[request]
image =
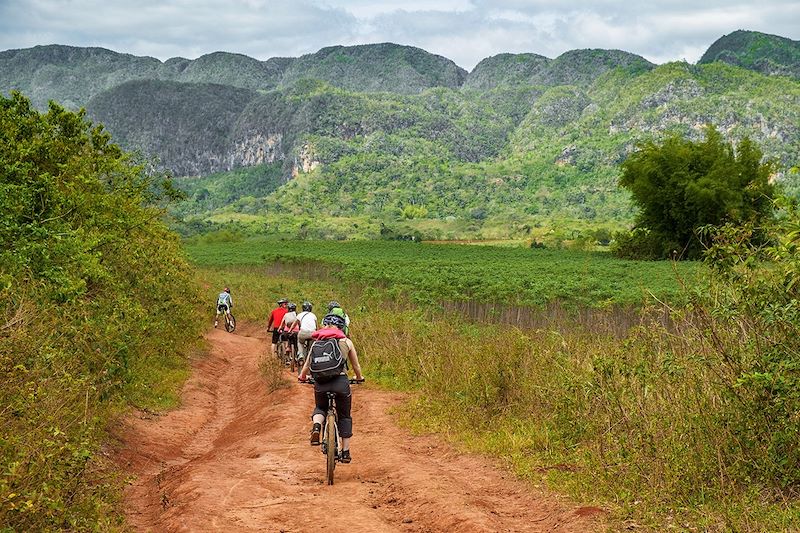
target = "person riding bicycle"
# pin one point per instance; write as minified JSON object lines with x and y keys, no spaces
{"x":289,"y":327}
{"x":333,"y":328}
{"x":308,"y":325}
{"x":275,"y":318}
{"x":224,"y":304}
{"x":335,"y":309}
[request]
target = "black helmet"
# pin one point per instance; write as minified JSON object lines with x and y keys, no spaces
{"x":282,"y":301}
{"x":332,"y":304}
{"x":307,"y":306}
{"x":334,"y":320}
{"x":291,"y":306}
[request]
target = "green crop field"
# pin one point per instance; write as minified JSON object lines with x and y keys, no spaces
{"x":448,"y":272}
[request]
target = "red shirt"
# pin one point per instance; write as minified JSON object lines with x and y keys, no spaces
{"x":276,"y":317}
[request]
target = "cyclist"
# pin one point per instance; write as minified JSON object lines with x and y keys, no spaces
{"x":289,"y":327}
{"x":224,"y":304}
{"x":275,"y":318}
{"x":335,"y":309}
{"x":308,"y":325}
{"x":333,"y":327}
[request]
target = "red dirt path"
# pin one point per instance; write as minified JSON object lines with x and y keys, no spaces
{"x":236,"y":458}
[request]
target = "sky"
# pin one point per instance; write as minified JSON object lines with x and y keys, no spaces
{"x":465,"y":31}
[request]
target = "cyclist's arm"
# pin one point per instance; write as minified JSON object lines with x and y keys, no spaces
{"x":304,"y":371}
{"x":352,"y":356}
{"x":269,"y":323}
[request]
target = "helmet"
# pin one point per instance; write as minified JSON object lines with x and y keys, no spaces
{"x":333,"y":320}
{"x":282,"y":301}
{"x":307,"y":306}
{"x":292,"y":307}
{"x":227,"y":290}
{"x":332,"y":304}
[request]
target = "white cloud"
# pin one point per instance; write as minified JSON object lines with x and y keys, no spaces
{"x":463,"y":30}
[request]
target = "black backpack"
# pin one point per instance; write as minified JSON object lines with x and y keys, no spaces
{"x":326,"y":360}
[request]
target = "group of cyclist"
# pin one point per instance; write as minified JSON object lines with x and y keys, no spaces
{"x":299,"y":331}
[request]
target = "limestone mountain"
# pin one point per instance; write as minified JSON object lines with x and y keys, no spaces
{"x":377,"y":67}
{"x":768,"y":54}
{"x":576,"y":67}
{"x":73,"y":75}
{"x":381,"y":137}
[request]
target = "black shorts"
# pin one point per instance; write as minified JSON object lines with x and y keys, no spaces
{"x":276,"y":336}
{"x":222,"y":308}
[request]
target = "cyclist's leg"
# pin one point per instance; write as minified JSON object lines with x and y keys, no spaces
{"x":343,"y":403}
{"x":344,"y":398}
{"x":276,"y":337}
{"x":318,"y":416}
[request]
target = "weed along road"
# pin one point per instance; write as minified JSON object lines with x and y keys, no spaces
{"x":236,"y":457}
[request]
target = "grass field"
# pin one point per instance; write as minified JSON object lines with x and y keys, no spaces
{"x":437,"y":273}
{"x":633,"y":424}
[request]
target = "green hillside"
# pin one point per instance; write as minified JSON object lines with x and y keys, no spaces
{"x":768,"y":54}
{"x":391,"y":141}
{"x":72,"y":75}
{"x":458,"y":164}
{"x":377,"y":67}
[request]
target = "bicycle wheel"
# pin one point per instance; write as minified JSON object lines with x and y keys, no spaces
{"x":330,"y":446}
{"x":292,"y":360}
{"x":230,"y":323}
{"x":280,"y":348}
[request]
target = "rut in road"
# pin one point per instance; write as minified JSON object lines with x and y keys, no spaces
{"x":235,"y":457}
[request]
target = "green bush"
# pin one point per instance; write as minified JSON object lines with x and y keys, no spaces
{"x":97,"y":305}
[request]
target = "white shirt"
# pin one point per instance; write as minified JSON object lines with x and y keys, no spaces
{"x":308,"y":321}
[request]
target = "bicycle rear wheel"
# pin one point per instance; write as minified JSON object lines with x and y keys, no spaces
{"x":230,"y":323}
{"x":330,"y":445}
{"x":280,"y":348}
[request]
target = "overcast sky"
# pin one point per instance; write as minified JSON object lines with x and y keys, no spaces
{"x":463,"y":30}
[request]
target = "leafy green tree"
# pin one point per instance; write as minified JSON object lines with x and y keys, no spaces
{"x":97,"y":305}
{"x":681,"y":185}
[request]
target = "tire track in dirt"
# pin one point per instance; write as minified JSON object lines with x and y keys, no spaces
{"x":236,"y":458}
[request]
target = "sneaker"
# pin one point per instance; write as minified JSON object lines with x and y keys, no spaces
{"x":315,"y":431}
{"x":215,"y":324}
{"x":346,"y":456}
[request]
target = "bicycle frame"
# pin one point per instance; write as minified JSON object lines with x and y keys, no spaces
{"x":332,"y":424}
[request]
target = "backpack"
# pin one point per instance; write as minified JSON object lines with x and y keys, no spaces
{"x":326,"y":360}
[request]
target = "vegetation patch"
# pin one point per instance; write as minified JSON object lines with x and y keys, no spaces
{"x":98,"y":309}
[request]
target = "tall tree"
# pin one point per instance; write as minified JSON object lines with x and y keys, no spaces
{"x":681,"y":185}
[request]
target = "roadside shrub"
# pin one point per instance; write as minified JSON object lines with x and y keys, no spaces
{"x":97,"y":305}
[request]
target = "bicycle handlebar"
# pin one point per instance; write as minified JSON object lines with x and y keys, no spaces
{"x":352,"y":381}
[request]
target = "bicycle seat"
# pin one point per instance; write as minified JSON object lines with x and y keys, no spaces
{"x":330,"y":395}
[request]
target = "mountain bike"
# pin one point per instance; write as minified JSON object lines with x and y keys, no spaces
{"x":227,"y":316}
{"x":330,"y":440}
{"x":286,"y":354}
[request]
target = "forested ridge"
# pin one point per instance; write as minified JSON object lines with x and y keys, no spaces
{"x":389,"y":140}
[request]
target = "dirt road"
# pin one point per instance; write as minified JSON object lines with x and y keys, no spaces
{"x":236,"y":458}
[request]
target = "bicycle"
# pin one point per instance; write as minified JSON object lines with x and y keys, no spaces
{"x":286,"y":353}
{"x":280,"y":349}
{"x":291,"y":353}
{"x":330,"y":440}
{"x":230,"y":320}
